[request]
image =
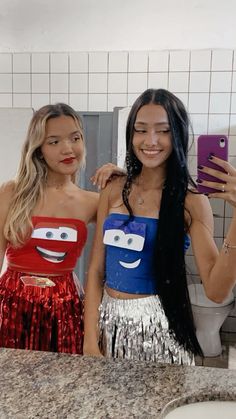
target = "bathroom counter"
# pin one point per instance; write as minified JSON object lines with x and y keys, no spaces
{"x":48,"y":385}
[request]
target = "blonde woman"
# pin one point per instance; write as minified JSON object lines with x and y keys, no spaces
{"x":43,"y":219}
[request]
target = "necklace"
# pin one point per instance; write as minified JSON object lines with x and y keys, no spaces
{"x":140,"y":200}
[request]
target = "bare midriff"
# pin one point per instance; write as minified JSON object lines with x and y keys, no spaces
{"x":124,"y":295}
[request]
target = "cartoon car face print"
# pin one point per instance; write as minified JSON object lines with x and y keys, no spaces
{"x":129,"y":241}
{"x":53,"y":243}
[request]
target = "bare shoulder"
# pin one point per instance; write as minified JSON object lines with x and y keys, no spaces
{"x":7,"y":187}
{"x":114,"y":189}
{"x":6,"y":191}
{"x":197,"y":203}
{"x":198,"y":211}
{"x":89,"y":201}
{"x":91,"y":196}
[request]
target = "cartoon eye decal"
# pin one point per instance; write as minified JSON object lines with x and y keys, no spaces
{"x":119,"y":238}
{"x":65,"y":234}
{"x":49,"y":234}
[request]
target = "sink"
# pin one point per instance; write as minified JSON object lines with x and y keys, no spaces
{"x":204,"y":410}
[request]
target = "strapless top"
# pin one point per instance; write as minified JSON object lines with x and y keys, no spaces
{"x":53,"y":248}
{"x":129,"y":253}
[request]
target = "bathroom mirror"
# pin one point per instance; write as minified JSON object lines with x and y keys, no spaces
{"x":105,"y":141}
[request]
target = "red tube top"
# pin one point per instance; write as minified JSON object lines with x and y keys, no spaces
{"x":53,"y":248}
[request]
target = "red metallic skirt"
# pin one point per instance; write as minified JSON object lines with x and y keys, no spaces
{"x":43,"y":319}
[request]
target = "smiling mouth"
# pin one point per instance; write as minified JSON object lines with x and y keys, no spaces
{"x":130,"y":265}
{"x":151,"y":152}
{"x":50,"y":256}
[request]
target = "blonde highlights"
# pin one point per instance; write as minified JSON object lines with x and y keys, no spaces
{"x":32,"y":172}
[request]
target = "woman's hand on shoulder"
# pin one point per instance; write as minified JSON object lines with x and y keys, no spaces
{"x":105,"y":173}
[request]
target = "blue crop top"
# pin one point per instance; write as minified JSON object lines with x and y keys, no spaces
{"x":129,"y":253}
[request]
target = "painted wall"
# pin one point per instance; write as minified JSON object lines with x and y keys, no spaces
{"x":90,"y":25}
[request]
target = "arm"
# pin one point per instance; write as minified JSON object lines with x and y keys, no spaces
{"x":94,"y":282}
{"x":216,"y":269}
{"x":6,"y":191}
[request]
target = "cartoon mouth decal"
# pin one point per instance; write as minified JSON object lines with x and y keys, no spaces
{"x":55,"y":257}
{"x":131,"y":265}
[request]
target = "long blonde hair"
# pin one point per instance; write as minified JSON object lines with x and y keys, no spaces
{"x":31,"y":176}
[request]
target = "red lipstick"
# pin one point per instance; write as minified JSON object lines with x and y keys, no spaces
{"x":68,"y":160}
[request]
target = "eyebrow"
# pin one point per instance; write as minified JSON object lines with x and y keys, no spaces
{"x":59,"y":136}
{"x":156,"y":124}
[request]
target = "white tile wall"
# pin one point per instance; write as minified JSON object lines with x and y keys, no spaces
{"x":97,"y":102}
{"x":39,"y":100}
{"x":21,"y":83}
{"x":200,"y":60}
{"x":158,"y":80}
{"x":199,"y":81}
{"x":138,"y":61}
{"x":178,"y":82}
{"x":198,"y":102}
{"x":97,"y":83}
{"x":116,"y":100}
{"x":158,"y":61}
{"x":40,"y":83}
{"x":221,"y":81}
{"x":205,"y":80}
{"x":40,"y":63}
{"x":220,"y":103}
{"x":6,"y":83}
{"x":78,"y":83}
{"x":117,"y":82}
{"x":59,"y":63}
{"x":78,"y":101}
{"x":222,"y":60}
{"x":118,"y":62}
{"x":78,"y":62}
{"x":98,"y":62}
{"x":137,"y":82}
{"x":179,"y":60}
{"x":21,"y":100}
{"x":5,"y":63}
{"x":21,"y":63}
{"x":59,"y":83}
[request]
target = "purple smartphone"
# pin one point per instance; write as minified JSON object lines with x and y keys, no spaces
{"x":207,"y":145}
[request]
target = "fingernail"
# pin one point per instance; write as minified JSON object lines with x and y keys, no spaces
{"x":199,"y":181}
{"x":206,"y":194}
{"x":210,"y":157}
{"x":200,"y":167}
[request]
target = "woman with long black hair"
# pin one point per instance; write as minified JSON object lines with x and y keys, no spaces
{"x":136,"y":302}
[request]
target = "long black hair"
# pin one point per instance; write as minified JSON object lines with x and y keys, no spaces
{"x":169,"y":258}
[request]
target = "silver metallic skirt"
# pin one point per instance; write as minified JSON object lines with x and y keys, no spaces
{"x":138,"y":329}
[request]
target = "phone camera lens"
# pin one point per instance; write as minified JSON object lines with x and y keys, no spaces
{"x":222,"y":140}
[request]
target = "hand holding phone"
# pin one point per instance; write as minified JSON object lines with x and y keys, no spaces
{"x":216,"y":145}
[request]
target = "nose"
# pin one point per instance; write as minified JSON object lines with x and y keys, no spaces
{"x":67,"y":147}
{"x":151,"y":138}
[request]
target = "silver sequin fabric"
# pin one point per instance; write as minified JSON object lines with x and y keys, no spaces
{"x":137,"y":329}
